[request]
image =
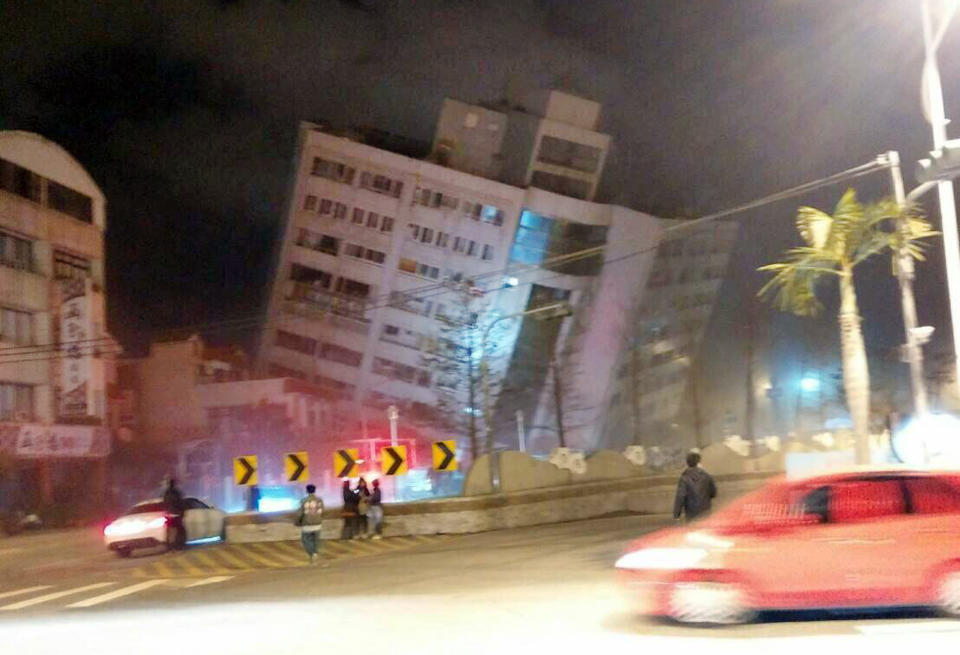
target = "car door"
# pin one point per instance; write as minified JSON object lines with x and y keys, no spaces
{"x":871,"y":526}
{"x":934,"y":540}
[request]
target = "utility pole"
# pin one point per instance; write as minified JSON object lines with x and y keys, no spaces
{"x":635,"y":391}
{"x":558,"y":403}
{"x":521,"y":437}
{"x":751,"y":401}
{"x":903,"y":266}
{"x":471,"y":392}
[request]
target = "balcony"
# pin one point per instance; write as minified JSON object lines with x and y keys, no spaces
{"x":342,"y":311}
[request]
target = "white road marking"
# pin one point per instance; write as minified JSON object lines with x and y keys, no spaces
{"x":908,"y":628}
{"x":213,"y":580}
{"x":119,"y":593}
{"x":20,"y":592}
{"x":53,"y":596}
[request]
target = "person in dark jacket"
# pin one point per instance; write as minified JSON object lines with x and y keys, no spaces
{"x":695,"y":490}
{"x":173,"y":502}
{"x":363,"y":506}
{"x":350,"y":510}
{"x":375,"y":514}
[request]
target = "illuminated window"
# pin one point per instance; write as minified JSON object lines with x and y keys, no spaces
{"x":407,"y":265}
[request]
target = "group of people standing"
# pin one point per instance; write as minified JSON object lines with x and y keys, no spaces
{"x":362,"y":511}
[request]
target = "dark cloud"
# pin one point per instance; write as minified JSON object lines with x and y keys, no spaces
{"x":186,"y":112}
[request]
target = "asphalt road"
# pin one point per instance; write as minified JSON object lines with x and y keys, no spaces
{"x":539,"y":589}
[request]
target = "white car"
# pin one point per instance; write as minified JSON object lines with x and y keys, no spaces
{"x":146,"y":525}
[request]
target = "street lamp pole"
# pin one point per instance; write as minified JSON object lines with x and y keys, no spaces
{"x":553,"y":310}
{"x":938,"y":122}
{"x":903,"y":263}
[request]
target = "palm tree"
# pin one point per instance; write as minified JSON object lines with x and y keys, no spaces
{"x":834,"y":246}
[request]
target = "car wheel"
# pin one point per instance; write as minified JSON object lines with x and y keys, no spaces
{"x":948,"y":594}
{"x":708,"y":602}
{"x":223,"y":532}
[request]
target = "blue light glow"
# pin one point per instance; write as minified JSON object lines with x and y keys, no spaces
{"x":810,"y":384}
{"x":204,"y":540}
{"x":276,"y":504}
{"x":930,"y":441}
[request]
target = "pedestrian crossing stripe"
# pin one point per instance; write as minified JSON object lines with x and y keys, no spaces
{"x":230,"y":559}
{"x":77,"y":598}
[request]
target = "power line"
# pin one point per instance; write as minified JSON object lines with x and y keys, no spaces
{"x":428,"y":291}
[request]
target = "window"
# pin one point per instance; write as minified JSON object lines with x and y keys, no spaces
{"x":16,"y":252}
{"x":349,"y":287}
{"x":386,"y":225}
{"x":16,"y":327}
{"x":375,"y":256}
{"x":316,"y":277}
{"x":353,"y":250}
{"x":316,"y":241}
{"x":21,"y":181}
{"x":339,"y":210}
{"x":426,"y":270}
{"x":864,"y":500}
{"x":410,"y":303}
{"x":341,"y":355}
{"x":562,"y":152}
{"x":426,"y":235}
{"x":397,"y":371}
{"x":459,"y":244}
{"x":326,"y":207}
{"x":566,"y":186}
{"x":310,"y":203}
{"x":373,"y":219}
{"x":296,"y":342}
{"x":933,"y":496}
{"x":69,"y":267}
{"x":70,"y":202}
{"x":278,"y":371}
{"x":492,"y":215}
{"x":381,"y":184}
{"x":422,"y":196}
{"x":487,"y":252}
{"x":472,"y":248}
{"x":358,"y":216}
{"x":407,"y":265}
{"x":443,"y":238}
{"x":472,"y":209}
{"x":332,"y":170}
{"x":414,"y":231}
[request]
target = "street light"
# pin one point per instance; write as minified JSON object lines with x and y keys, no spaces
{"x":546,"y":312}
{"x":936,"y":116}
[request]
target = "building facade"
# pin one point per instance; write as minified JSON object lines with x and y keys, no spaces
{"x":54,"y":349}
{"x":377,"y":247}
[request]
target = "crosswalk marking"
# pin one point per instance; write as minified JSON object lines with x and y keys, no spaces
{"x":236,"y":561}
{"x":229,"y":559}
{"x":118,"y":593}
{"x":212,"y":580}
{"x":283,"y":558}
{"x":20,"y":592}
{"x":53,"y":596}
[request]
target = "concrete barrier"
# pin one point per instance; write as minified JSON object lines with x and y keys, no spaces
{"x":651,"y":494}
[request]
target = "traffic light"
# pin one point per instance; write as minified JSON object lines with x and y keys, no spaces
{"x":943,"y":164}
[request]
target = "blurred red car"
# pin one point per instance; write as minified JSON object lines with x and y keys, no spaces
{"x":876,"y":538}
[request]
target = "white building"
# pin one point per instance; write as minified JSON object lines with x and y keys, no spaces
{"x":53,"y":342}
{"x":372,"y":240}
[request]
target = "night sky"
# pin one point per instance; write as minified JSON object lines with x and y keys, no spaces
{"x":185,"y":112}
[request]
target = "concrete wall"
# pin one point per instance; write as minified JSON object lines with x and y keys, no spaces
{"x":641,"y":494}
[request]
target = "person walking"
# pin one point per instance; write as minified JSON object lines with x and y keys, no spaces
{"x":174,"y":505}
{"x":350,"y":507}
{"x":695,"y":490}
{"x":310,"y":520}
{"x":363,"y":507}
{"x":375,"y":513}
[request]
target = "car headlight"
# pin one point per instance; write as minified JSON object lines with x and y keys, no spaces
{"x":661,"y":558}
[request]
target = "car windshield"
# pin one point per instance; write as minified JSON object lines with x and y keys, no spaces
{"x":147,"y":508}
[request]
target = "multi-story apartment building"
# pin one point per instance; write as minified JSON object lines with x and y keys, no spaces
{"x":54,"y":347}
{"x":659,"y":364}
{"x":373,"y":242}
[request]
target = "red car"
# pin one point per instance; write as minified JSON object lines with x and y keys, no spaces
{"x":876,"y":538}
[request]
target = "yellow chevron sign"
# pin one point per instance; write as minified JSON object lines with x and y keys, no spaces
{"x":445,"y":455}
{"x":345,"y":463}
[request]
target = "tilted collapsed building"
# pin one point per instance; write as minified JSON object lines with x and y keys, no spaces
{"x":376,"y":244}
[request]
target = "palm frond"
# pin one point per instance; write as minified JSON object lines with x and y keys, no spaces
{"x":792,"y":289}
{"x":814,"y":226}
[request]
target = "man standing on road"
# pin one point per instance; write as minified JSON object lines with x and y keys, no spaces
{"x":695,"y":490}
{"x":310,"y":520}
{"x":375,"y":513}
{"x":173,"y":500}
